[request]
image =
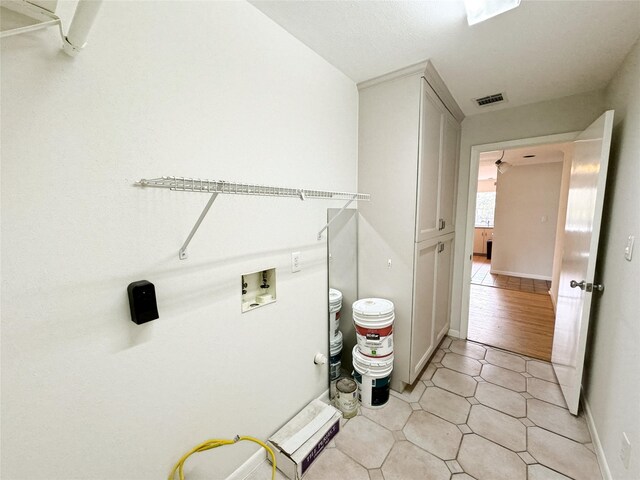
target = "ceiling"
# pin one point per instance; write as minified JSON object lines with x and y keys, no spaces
{"x":539,"y":51}
{"x":543,"y":154}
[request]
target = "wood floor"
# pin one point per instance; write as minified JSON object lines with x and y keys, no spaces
{"x":521,"y":322}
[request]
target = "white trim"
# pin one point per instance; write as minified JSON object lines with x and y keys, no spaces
{"x":521,"y":275}
{"x":254,"y":461}
{"x":324,"y":396}
{"x":476,"y":150}
{"x":453,"y":333}
{"x":602,"y":459}
{"x":434,"y":79}
{"x":403,"y":72}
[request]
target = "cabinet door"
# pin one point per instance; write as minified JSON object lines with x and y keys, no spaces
{"x":488,"y":236}
{"x":448,"y":170}
{"x":444,"y":264}
{"x":478,"y":241}
{"x":423,"y":306}
{"x":429,"y":151}
{"x":438,"y":151}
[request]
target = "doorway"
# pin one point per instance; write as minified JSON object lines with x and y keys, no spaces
{"x":513,"y":216}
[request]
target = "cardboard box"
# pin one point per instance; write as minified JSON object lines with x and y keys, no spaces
{"x":304,"y":437}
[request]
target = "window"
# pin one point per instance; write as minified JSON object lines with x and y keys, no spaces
{"x":485,"y":208}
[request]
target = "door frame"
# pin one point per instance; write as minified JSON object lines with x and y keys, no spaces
{"x":474,"y":165}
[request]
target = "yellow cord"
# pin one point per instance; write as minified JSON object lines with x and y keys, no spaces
{"x":209,"y":444}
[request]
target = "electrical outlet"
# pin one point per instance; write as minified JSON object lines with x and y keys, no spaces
{"x":625,"y":450}
{"x":295,"y":262}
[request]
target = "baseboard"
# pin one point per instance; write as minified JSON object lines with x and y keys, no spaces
{"x":324,"y":396}
{"x":521,"y":275}
{"x":260,"y":456}
{"x":454,"y":333}
{"x":602,"y":460}
{"x":249,"y":466}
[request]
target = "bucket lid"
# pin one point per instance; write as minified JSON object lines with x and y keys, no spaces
{"x":373,"y":307}
{"x":335,"y":296}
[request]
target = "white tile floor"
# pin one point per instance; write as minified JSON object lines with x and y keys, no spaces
{"x":476,"y":413}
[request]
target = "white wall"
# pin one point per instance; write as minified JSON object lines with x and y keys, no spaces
{"x":544,"y":118}
{"x":524,"y":235}
{"x":209,"y":89}
{"x":613,"y":373}
{"x":487,"y":185}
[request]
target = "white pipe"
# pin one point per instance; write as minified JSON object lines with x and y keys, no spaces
{"x":81,"y":24}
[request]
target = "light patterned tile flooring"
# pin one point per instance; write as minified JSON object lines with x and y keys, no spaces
{"x":476,"y":413}
{"x":481,"y":275}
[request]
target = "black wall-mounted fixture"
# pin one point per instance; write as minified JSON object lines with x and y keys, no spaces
{"x":142,"y":300}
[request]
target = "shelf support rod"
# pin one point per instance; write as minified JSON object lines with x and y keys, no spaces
{"x":183,"y":250}
{"x":336,"y":216}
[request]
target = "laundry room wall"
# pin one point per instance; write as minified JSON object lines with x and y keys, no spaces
{"x":204,"y":89}
{"x":612,"y":379}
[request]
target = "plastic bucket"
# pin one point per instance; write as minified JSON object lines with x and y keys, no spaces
{"x":373,"y":319}
{"x":335,"y":304}
{"x":347,"y":397}
{"x":335,"y":349}
{"x":335,"y":300}
{"x":373,"y":376}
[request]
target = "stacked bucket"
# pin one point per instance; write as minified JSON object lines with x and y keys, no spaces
{"x":335,"y":335}
{"x":343,"y":390}
{"x":373,"y":353}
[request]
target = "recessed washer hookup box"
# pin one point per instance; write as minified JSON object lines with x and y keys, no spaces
{"x":304,"y":437}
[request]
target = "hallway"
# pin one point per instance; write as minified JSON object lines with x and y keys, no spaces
{"x":476,"y":413}
{"x":514,"y":314}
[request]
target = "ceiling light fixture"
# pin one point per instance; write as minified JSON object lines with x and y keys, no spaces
{"x":481,"y":10}
{"x":502,"y":166}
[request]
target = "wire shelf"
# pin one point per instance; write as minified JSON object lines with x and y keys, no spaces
{"x":216,"y":187}
{"x":185,"y":184}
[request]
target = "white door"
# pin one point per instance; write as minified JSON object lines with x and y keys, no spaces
{"x":430,"y":150}
{"x":449,"y":167}
{"x":424,"y":287}
{"x":444,"y":264}
{"x":582,"y":231}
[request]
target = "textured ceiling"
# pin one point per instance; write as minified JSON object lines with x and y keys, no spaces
{"x":543,"y":154}
{"x":539,"y":51}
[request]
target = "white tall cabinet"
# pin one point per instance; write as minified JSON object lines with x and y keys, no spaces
{"x":408,"y":158}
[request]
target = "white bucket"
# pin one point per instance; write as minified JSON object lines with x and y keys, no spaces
{"x":347,"y":397}
{"x":335,"y":304}
{"x":373,"y":319}
{"x":335,"y":363}
{"x":373,"y":376}
{"x":335,"y":300}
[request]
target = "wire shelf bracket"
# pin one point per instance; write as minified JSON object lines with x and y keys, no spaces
{"x":336,"y":216}
{"x":216,"y":187}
